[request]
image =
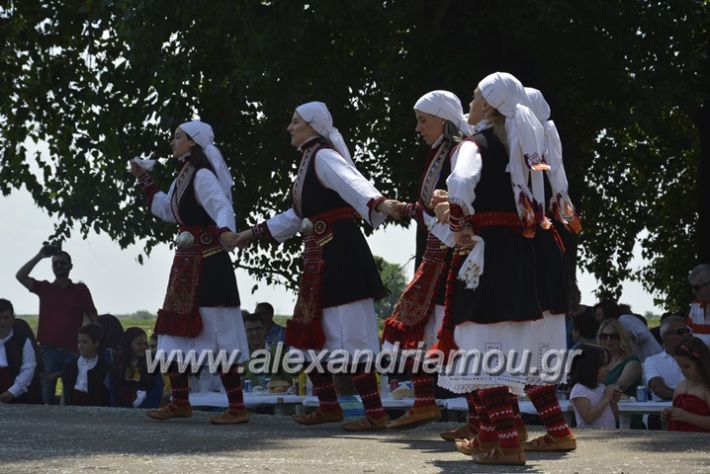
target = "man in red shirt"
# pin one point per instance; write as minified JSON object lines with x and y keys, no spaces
{"x":62,"y":307}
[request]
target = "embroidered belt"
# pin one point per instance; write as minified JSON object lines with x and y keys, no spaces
{"x":485,"y":219}
{"x":204,"y":238}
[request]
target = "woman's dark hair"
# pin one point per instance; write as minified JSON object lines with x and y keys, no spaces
{"x":197,"y":156}
{"x":609,"y":308}
{"x":112,"y":331}
{"x":585,"y":323}
{"x":696,"y":350}
{"x":125,"y":356}
{"x":586,"y":365}
{"x":452,"y":132}
{"x":93,"y":331}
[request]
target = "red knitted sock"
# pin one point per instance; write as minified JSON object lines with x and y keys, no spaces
{"x":233,"y":386}
{"x":519,"y":423}
{"x":423,"y":390}
{"x":544,"y":398}
{"x":180,"y":385}
{"x":324,"y":389}
{"x":487,"y":432}
{"x":500,"y":411}
{"x":473,"y":420}
{"x":366,"y":385}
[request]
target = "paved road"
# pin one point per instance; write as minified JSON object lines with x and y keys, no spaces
{"x":68,"y":439}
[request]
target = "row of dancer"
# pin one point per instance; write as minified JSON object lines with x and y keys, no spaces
{"x":481,"y":197}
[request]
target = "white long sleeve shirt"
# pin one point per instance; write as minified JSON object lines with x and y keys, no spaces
{"x":466,"y":166}
{"x":209,"y":194}
{"x":27,"y":369}
{"x":335,"y":173}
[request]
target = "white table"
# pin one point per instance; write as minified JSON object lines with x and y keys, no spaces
{"x":251,"y":400}
{"x":626,"y":408}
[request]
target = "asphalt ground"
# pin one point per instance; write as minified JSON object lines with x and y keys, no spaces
{"x":106,"y":440}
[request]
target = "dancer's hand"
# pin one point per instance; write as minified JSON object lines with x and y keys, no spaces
{"x":136,"y":170}
{"x":441,"y":211}
{"x":393,"y":208}
{"x":438,"y":197}
{"x":240,"y":239}
{"x":464,"y":237}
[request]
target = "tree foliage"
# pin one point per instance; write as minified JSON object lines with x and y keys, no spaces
{"x":103,"y":81}
{"x":394,"y":280}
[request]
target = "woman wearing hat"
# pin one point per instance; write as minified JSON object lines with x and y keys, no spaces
{"x":419,"y":311}
{"x":201,"y":308}
{"x":335,"y":307}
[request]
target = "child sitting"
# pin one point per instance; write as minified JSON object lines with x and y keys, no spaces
{"x":691,"y":397}
{"x":131,"y":383}
{"x":85,"y":377}
{"x":17,"y":359}
{"x":595,"y":404}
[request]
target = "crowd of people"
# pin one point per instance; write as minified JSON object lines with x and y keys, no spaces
{"x":493,"y":198}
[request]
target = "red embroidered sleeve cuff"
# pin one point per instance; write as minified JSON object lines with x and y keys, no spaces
{"x":415,"y":211}
{"x":456,"y":217}
{"x":149,"y":187}
{"x":261,"y":231}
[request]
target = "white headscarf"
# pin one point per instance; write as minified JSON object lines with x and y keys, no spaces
{"x":553,"y":156}
{"x":526,"y":141}
{"x":317,"y":115}
{"x":445,"y":105}
{"x":202,"y":134}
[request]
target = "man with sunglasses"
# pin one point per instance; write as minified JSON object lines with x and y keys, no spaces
{"x":63,"y":305}
{"x":699,"y":317}
{"x":661,"y":371}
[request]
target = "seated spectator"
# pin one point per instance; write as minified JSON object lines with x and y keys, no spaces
{"x":661,"y":371}
{"x":274,"y":332}
{"x":657,"y":330}
{"x":594,"y":404}
{"x":584,"y":328}
{"x":691,"y":398}
{"x":624,"y":368}
{"x":131,"y":384}
{"x":256,"y":337}
{"x":34,"y":391}
{"x":699,"y":316}
{"x":112,"y":331}
{"x":86,"y":377}
{"x":643,"y":343}
{"x":167,"y":388}
{"x":18,"y":359}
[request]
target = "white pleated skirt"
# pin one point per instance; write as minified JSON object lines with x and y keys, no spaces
{"x":538,"y":337}
{"x":222,"y":329}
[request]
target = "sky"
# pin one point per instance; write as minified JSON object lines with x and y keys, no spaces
{"x":120,"y":285}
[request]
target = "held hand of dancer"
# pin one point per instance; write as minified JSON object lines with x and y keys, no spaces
{"x":137,"y":171}
{"x":464,"y":237}
{"x":243,"y":238}
{"x":439,"y":196}
{"x":441,"y":211}
{"x":392,"y":208}
{"x":666,"y":415}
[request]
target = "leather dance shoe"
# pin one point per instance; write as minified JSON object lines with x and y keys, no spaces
{"x":230,"y":418}
{"x":416,"y":416}
{"x":548,"y":442}
{"x":502,"y":456}
{"x":318,"y":417}
{"x":170,"y":411}
{"x":463,"y":432}
{"x":367,"y":424}
{"x":474,"y":446}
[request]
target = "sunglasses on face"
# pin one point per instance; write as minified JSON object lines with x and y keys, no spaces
{"x":698,"y":287}
{"x":612,"y":336}
{"x":678,"y":332}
